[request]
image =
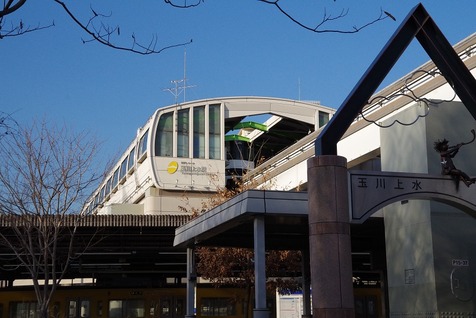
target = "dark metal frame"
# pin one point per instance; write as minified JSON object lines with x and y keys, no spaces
{"x":418,"y":24}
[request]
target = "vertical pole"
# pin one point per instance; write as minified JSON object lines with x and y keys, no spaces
{"x":329,"y":238}
{"x":260,"y":310}
{"x":306,"y":283}
{"x":191,"y":283}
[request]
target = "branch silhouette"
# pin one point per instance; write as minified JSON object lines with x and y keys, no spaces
{"x":104,"y":33}
{"x":98,"y":31}
{"x":184,"y":5}
{"x":318,"y":28}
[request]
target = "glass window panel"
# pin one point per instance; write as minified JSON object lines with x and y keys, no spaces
{"x":165,"y":307}
{"x":143,"y":144}
{"x":72,"y":309}
{"x":164,"y":136}
{"x":214,"y":132}
{"x":199,"y":132}
{"x":115,"y":178}
{"x":323,"y":118}
{"x":108,"y":186}
{"x":183,"y":133}
{"x":123,"y":172}
{"x":134,"y":308}
{"x":85,"y":309}
{"x":101,"y":195}
{"x":115,"y":309}
{"x":131,"y":161}
{"x":23,"y":310}
{"x":217,"y":307}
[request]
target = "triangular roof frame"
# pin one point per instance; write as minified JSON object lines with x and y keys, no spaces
{"x":419,"y":24}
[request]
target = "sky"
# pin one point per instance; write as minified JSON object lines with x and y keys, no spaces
{"x":239,"y":48}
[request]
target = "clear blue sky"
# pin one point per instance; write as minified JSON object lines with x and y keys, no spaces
{"x":240,"y":47}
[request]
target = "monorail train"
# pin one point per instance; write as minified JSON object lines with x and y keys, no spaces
{"x":193,"y":147}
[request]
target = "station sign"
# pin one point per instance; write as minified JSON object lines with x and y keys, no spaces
{"x":369,"y":191}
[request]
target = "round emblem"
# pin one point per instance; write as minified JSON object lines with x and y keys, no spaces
{"x":172,"y":168}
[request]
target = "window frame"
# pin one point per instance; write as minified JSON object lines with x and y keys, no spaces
{"x":143,"y":146}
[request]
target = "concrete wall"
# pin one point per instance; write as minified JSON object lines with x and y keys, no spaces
{"x":422,"y":237}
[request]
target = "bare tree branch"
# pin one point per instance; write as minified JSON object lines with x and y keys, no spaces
{"x":185,"y":5}
{"x":103,"y":34}
{"x":8,"y":125}
{"x":328,"y":18}
{"x":10,"y":7}
{"x":20,"y":29}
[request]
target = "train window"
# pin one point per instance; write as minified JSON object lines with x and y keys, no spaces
{"x":101,"y":195}
{"x":130,"y":161}
{"x":164,"y":136}
{"x":169,"y":307}
{"x":79,"y":308}
{"x":96,"y":201}
{"x":23,"y":309}
{"x":108,"y":186}
{"x":115,"y":180}
{"x":143,"y":146}
{"x":214,"y":132}
{"x":183,"y":133}
{"x":123,"y":171}
{"x":219,"y":306}
{"x":199,"y":132}
{"x":323,"y":118}
{"x":134,"y":308}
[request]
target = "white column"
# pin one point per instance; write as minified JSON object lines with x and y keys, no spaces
{"x":260,"y":310}
{"x":191,"y":283}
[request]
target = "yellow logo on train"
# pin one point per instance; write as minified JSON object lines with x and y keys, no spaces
{"x":172,"y":168}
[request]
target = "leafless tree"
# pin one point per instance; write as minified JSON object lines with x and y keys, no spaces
{"x":98,"y":30}
{"x":45,"y":176}
{"x":225,"y":266}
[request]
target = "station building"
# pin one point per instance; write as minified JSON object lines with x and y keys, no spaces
{"x":418,"y":254}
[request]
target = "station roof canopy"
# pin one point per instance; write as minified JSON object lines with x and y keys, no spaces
{"x":231,"y":223}
{"x":286,"y":224}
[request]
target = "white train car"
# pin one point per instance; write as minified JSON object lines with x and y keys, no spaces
{"x":184,"y":152}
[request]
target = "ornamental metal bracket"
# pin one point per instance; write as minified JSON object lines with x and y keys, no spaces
{"x":418,"y":24}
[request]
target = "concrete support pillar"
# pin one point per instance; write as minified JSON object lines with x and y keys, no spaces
{"x":329,"y":238}
{"x":260,"y":310}
{"x":191,"y":283}
{"x":306,"y":284}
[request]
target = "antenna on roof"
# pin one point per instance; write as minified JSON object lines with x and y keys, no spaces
{"x":180,"y":85}
{"x":299,"y":88}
